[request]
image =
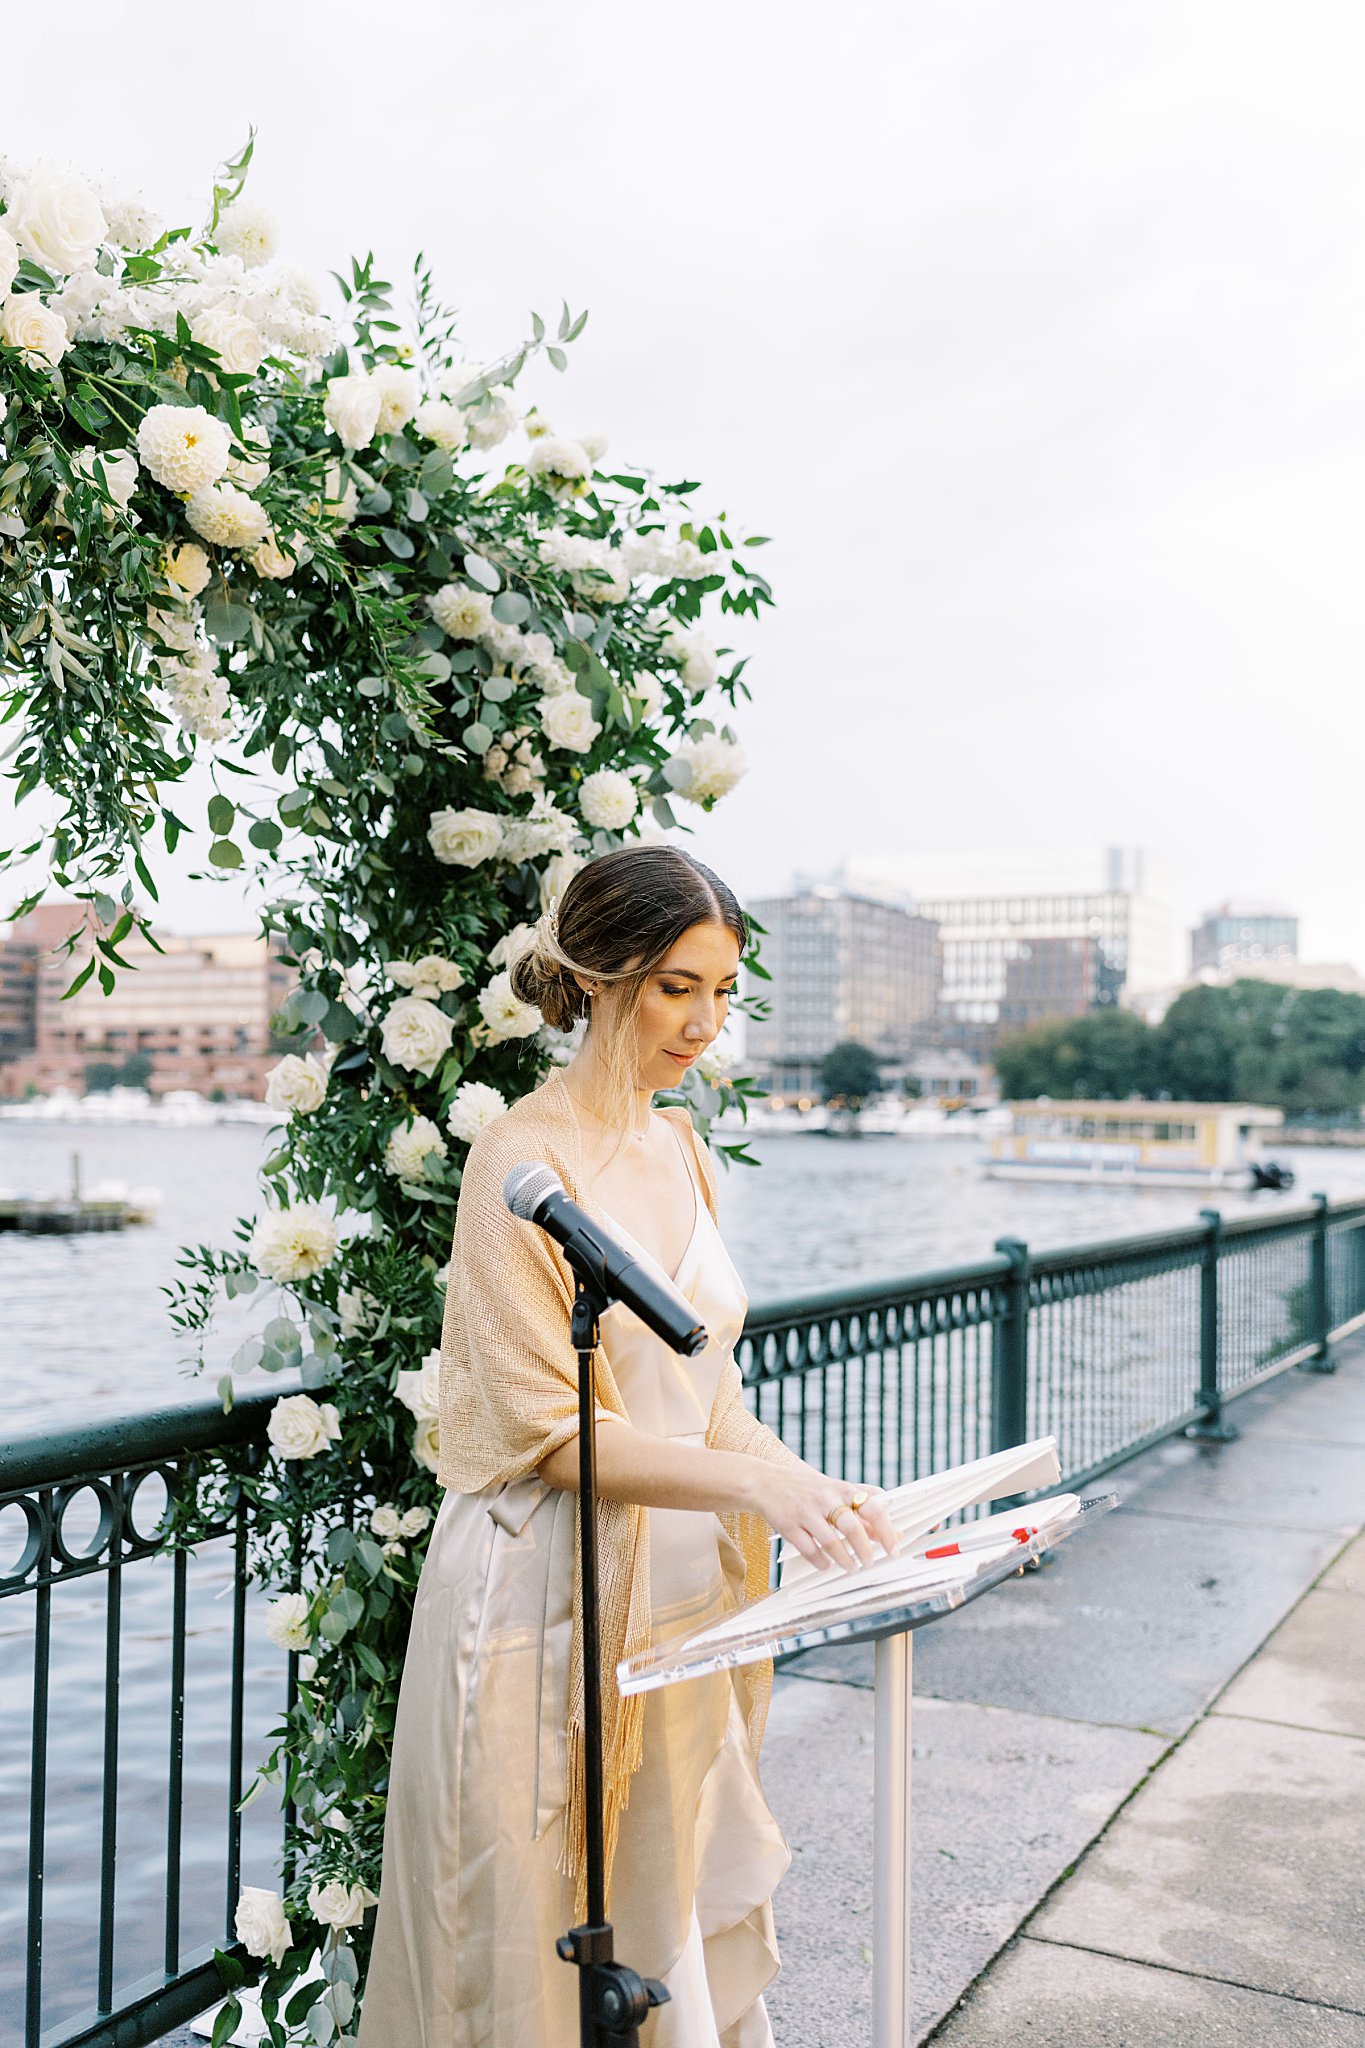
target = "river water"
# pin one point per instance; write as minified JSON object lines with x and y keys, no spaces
{"x":84,"y":1333}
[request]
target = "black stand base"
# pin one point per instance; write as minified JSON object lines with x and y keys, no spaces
{"x":613,"y":1999}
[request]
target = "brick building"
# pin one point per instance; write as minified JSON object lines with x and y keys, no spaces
{"x":200,"y":1011}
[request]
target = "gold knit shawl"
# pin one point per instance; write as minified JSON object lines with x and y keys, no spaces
{"x":509,"y":1397}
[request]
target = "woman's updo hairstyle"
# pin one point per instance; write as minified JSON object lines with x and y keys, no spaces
{"x":617,"y":919}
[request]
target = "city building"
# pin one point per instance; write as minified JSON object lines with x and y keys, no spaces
{"x":950,"y":1077}
{"x":199,"y":1011}
{"x":843,"y":966}
{"x":1240,"y":934}
{"x":1033,"y":935}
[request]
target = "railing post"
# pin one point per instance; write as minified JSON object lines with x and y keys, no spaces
{"x":1009,"y":1352}
{"x":1319,"y":1300}
{"x":1212,"y":1428}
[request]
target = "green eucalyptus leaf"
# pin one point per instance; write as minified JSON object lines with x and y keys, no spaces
{"x":478,"y":737}
{"x":224,"y":854}
{"x":511,"y":608}
{"x":498,"y":689}
{"x":482,"y":572}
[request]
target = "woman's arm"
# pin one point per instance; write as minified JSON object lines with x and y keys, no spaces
{"x":794,"y":1499}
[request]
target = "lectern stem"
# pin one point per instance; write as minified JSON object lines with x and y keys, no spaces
{"x":891,"y":1847}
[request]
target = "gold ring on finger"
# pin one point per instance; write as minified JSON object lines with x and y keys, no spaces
{"x":834,"y":1513}
{"x":857,"y":1501}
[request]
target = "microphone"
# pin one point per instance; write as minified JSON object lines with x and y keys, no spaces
{"x":535,"y":1192}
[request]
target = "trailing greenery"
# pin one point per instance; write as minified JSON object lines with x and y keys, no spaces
{"x":431,"y":682}
{"x":1255,"y":1041}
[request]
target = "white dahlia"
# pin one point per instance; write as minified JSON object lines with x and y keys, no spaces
{"x":608,"y":799}
{"x":293,"y":1244}
{"x":286,"y":1622}
{"x":227,"y":517}
{"x":463,"y":613}
{"x":184,"y":447}
{"x":715,"y":766}
{"x":503,"y":1011}
{"x":475,"y":1107}
{"x":410,"y":1146}
{"x":248,"y":230}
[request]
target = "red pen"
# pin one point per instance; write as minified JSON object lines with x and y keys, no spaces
{"x":981,"y":1542}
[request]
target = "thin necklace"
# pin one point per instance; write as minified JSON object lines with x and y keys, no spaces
{"x":638,"y":1136}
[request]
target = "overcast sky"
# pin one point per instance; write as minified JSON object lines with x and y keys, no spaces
{"x":1034,"y":334}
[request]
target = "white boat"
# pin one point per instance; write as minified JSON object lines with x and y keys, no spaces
{"x":1139,"y":1144}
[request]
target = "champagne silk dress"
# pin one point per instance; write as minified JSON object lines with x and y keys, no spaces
{"x":472,"y":1901}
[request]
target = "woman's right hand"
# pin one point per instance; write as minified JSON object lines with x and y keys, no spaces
{"x":796,"y":1501}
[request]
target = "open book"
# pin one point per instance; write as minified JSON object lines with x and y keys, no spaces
{"x":931,"y":1571}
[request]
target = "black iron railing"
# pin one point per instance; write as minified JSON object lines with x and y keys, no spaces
{"x":1107,"y":1347}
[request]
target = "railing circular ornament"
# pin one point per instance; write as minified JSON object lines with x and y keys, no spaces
{"x":103,"y":1533}
{"x":14,"y":1573}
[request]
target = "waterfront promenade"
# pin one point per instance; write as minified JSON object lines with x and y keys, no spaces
{"x":1139,"y":1773}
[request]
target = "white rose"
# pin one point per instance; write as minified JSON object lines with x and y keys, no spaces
{"x":608,"y":799}
{"x":252,"y":466}
{"x":464,"y":839}
{"x":463,"y":613}
{"x":27,"y":324}
{"x":474,"y":1108}
{"x":293,"y":1244}
{"x":351,"y":409}
{"x":271,"y":561}
{"x":689,"y":646}
{"x":356,"y":1310}
{"x":512,"y":945}
{"x":714,"y":1064}
{"x":247,"y":230}
{"x":297,"y":1085}
{"x":300,"y":1427}
{"x":503,"y":1011}
{"x":416,"y":1034}
{"x":431,"y":976}
{"x":426,"y":1442}
{"x":492,"y":418}
{"x":339,"y":1905}
{"x":414,"y":1522}
{"x":409,"y":1146}
{"x":648,"y":692}
{"x":9,"y":260}
{"x":261,"y":1923}
{"x":184,"y":447}
{"x":57,"y":220}
{"x":420,"y":1391}
{"x":120,"y":471}
{"x":441,"y":422}
{"x":286,"y":1622}
{"x":713,"y":768}
{"x":556,"y":876}
{"x":567,"y":721}
{"x":188,"y":567}
{"x":236,"y":343}
{"x":387,"y":1524}
{"x":399,"y":393}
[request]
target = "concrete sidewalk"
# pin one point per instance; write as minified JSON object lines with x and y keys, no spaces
{"x":1183,"y":1687}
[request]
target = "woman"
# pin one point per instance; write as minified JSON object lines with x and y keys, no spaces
{"x":484,"y":1841}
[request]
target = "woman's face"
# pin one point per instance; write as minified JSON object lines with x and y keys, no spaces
{"x":685,"y":1003}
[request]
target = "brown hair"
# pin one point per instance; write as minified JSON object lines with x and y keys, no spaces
{"x":617,"y":919}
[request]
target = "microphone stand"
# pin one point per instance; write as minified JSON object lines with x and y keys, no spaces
{"x":613,"y":1999}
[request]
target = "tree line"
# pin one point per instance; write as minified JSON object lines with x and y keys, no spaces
{"x":1301,"y":1050}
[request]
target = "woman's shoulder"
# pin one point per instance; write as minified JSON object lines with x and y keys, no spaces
{"x":679,"y":1115}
